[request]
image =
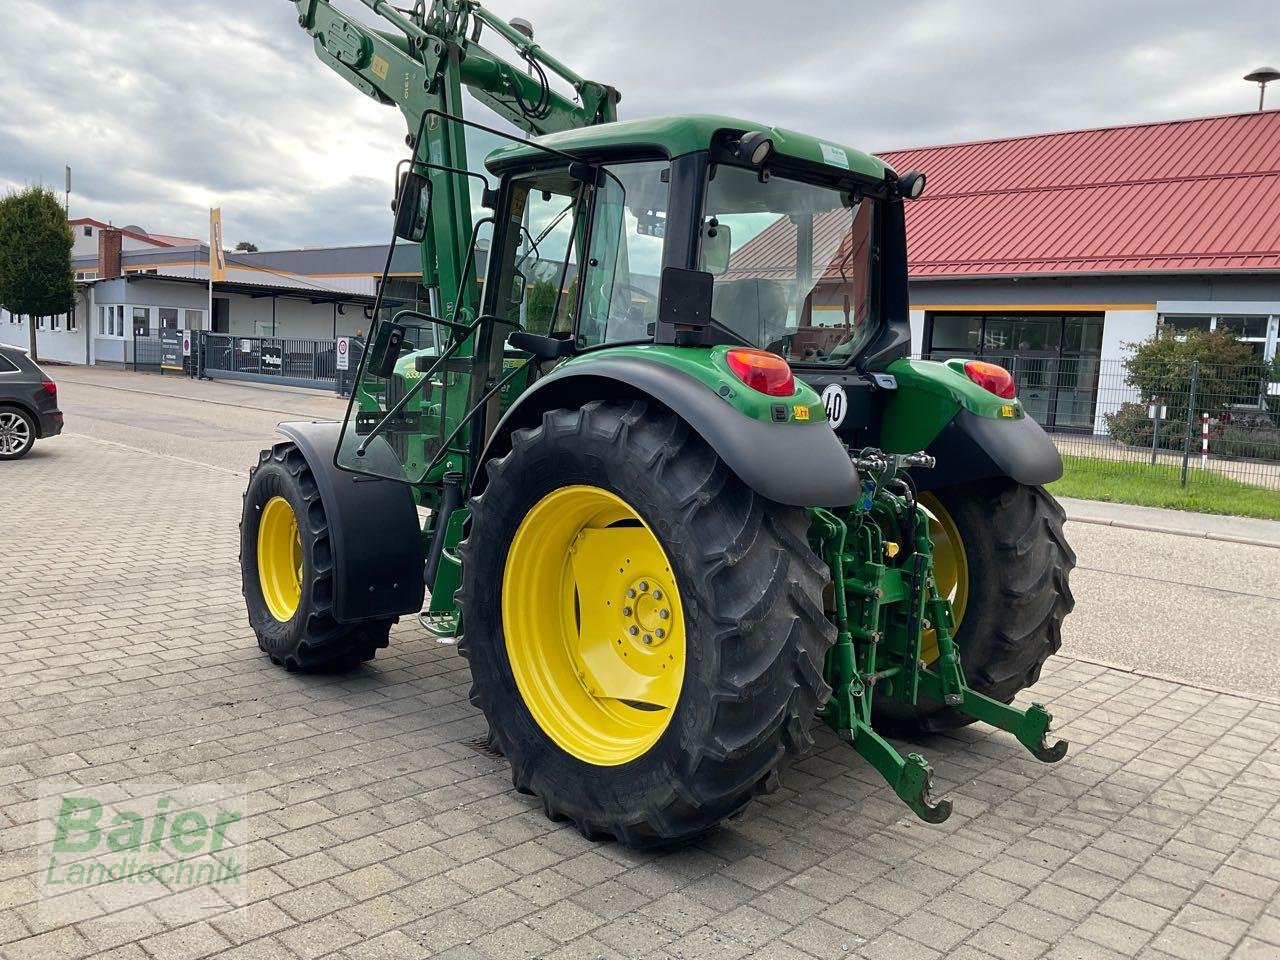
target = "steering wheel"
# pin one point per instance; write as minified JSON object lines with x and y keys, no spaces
{"x":631,"y":319}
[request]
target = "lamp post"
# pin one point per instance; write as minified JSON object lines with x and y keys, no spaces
{"x":1262,"y":76}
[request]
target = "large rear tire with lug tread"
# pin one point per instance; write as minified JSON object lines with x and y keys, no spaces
{"x":1001,"y":555}
{"x":645,"y":633}
{"x":286,"y":569}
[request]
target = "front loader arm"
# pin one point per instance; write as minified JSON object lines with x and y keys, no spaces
{"x":422,"y":65}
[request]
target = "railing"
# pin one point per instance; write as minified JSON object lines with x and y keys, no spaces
{"x":285,"y":360}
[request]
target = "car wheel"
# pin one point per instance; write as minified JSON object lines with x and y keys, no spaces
{"x":17,"y":433}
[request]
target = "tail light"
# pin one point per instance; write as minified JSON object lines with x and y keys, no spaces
{"x":763,"y":371}
{"x":50,"y":388}
{"x":991,"y":377}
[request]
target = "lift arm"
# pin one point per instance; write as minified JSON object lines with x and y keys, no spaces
{"x":421,"y":62}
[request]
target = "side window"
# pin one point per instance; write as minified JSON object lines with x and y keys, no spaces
{"x":544,"y":273}
{"x":629,"y":226}
{"x":6,"y":365}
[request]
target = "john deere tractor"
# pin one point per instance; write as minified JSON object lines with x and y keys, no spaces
{"x":684,"y":492}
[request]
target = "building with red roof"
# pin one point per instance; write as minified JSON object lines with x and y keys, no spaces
{"x":1068,"y":246}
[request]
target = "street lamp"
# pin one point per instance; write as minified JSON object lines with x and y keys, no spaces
{"x":1262,"y":76}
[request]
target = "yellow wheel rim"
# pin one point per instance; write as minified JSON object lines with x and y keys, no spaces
{"x":594,"y":625}
{"x":280,"y":559}
{"x":950,"y":567}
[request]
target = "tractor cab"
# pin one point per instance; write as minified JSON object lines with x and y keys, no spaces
{"x":690,"y":232}
{"x":798,"y":243}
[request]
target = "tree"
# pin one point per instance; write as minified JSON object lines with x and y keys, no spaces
{"x":1160,"y":369}
{"x":247,"y":247}
{"x":35,"y":257}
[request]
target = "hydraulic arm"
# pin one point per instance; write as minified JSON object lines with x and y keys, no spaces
{"x":421,"y":62}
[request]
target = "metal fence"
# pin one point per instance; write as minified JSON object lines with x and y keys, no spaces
{"x":303,"y":363}
{"x":1186,"y":421}
{"x":145,"y":351}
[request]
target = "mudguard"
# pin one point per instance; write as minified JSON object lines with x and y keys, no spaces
{"x":373,"y":529}
{"x":797,"y":464}
{"x":971,"y":447}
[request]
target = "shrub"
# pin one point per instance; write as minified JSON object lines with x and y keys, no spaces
{"x":1160,"y":370}
{"x":1130,"y":425}
{"x":1250,"y":442}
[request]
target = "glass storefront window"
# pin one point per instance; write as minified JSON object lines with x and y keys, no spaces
{"x":957,"y":331}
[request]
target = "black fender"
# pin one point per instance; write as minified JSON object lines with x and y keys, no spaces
{"x":971,"y":448}
{"x":803,"y":465}
{"x":373,"y":530}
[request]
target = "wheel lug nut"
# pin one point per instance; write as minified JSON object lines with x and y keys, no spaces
{"x":644,"y":586}
{"x":657,"y":594}
{"x":664,"y":614}
{"x":660,"y":633}
{"x":631,"y":594}
{"x":633,"y":630}
{"x":626,"y":611}
{"x":648,"y":639}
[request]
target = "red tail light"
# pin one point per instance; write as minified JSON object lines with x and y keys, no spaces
{"x":50,"y":388}
{"x":991,"y":377}
{"x":762,"y":371}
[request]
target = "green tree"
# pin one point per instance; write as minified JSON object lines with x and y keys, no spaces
{"x":1160,"y":369}
{"x":35,"y":257}
{"x":541,"y":301}
{"x":247,"y":247}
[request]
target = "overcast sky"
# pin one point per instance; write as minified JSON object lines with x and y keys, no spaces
{"x":166,"y":108}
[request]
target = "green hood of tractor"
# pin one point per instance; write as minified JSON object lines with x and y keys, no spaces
{"x":675,"y":136}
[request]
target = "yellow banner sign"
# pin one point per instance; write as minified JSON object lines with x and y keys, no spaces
{"x":217,"y":256}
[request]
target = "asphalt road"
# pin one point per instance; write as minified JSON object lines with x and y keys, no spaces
{"x":1195,"y":610}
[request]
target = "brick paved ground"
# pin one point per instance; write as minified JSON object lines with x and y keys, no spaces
{"x":380,"y":830}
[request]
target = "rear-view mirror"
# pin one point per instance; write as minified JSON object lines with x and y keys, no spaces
{"x":413,"y":206}
{"x":717,"y":242}
{"x":385,"y":350}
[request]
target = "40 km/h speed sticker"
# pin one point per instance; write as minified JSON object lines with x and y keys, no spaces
{"x":836,"y":402}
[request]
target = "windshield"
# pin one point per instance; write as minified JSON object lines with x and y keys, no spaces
{"x":792,"y":264}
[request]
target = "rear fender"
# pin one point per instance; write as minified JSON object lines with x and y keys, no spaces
{"x":374,"y":532}
{"x":974,"y":434}
{"x":797,"y":460}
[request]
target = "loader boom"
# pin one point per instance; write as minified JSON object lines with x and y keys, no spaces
{"x":421,"y":64}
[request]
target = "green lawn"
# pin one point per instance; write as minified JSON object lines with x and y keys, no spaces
{"x":1122,"y":482}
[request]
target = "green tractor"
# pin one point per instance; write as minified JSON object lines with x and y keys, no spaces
{"x":685,"y":492}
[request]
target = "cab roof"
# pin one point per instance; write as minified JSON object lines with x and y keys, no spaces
{"x":675,"y":136}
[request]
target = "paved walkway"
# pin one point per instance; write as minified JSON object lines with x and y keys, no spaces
{"x":1210,"y":526}
{"x":378,"y":828}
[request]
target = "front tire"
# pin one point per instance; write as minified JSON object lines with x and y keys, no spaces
{"x":286,"y":569}
{"x":1000,"y":552}
{"x":570,"y":677}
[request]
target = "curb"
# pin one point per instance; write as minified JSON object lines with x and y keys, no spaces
{"x":1174,"y":531}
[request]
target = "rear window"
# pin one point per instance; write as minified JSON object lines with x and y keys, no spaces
{"x":7,"y":365}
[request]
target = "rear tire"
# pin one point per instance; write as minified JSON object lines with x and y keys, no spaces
{"x":750,"y":611}
{"x":310,"y":639}
{"x":17,"y":433}
{"x":1019,"y":564}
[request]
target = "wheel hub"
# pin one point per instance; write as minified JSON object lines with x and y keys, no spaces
{"x":593,"y":625}
{"x":280,"y":559}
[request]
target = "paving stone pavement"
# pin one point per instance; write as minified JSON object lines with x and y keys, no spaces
{"x":379,"y":828}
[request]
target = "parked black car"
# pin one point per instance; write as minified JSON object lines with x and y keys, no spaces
{"x":28,"y":404}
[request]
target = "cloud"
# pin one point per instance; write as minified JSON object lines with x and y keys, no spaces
{"x":164,"y":109}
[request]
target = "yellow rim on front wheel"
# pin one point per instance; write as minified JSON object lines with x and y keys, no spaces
{"x":594,"y":625}
{"x":280,"y":559}
{"x":950,"y":567}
